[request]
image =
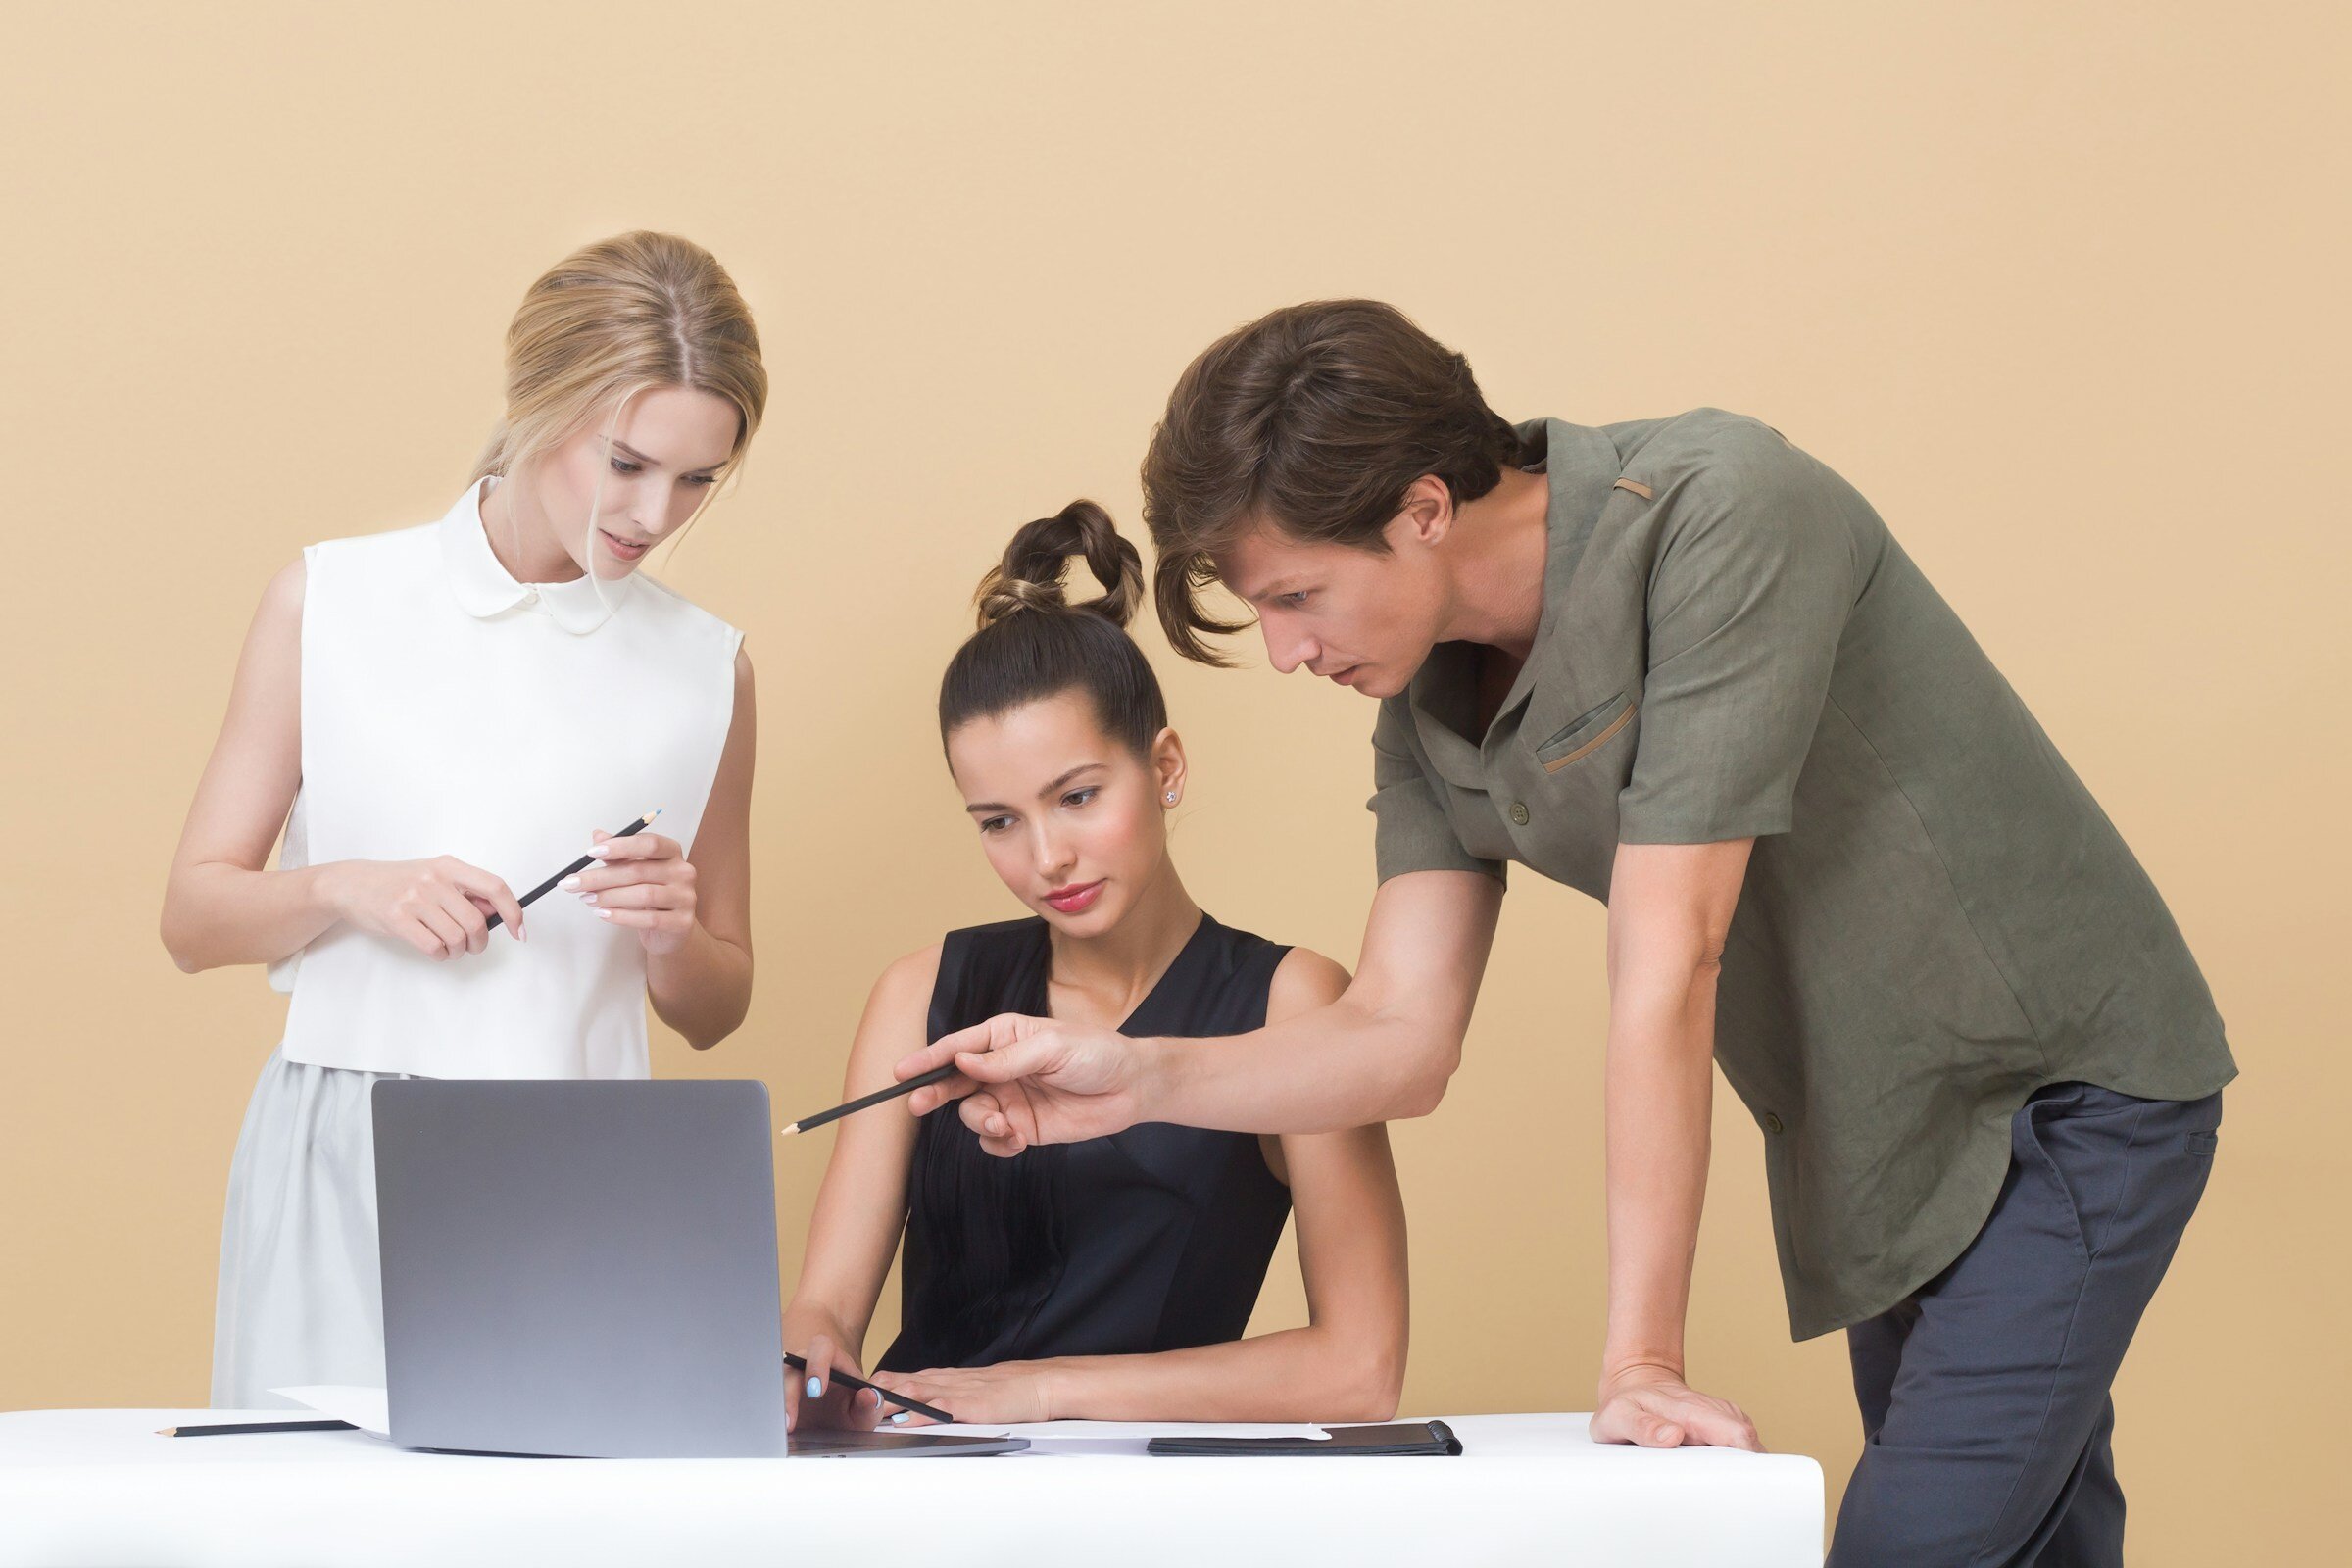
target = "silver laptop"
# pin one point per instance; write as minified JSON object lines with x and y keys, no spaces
{"x":590,"y":1269}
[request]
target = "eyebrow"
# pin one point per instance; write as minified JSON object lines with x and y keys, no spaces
{"x":653,"y":462}
{"x":978,"y":806}
{"x":1273,"y":590}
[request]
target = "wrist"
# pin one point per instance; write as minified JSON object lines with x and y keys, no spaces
{"x":1628,"y":1366}
{"x":1167,"y":1071}
{"x":325,"y":886}
{"x":661,"y":963}
{"x":1057,"y":1391}
{"x":805,"y":1321}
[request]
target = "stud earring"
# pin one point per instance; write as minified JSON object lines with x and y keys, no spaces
{"x":1171,"y":796}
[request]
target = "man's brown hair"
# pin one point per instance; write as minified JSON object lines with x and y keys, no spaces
{"x":1314,"y":419}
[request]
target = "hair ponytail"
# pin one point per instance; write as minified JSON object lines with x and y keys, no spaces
{"x":1033,"y":643}
{"x":1030,"y":576}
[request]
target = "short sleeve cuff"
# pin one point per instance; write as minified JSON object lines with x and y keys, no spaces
{"x":1413,"y":834}
{"x":1694,"y":821}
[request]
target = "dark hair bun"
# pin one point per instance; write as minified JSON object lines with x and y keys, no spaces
{"x":1029,"y":579}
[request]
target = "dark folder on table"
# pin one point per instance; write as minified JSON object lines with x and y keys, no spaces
{"x":1396,"y":1438}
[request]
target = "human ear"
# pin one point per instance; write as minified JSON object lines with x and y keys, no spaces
{"x":1167,"y":768}
{"x":1427,"y":515}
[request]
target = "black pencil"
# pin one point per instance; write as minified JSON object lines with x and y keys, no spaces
{"x":580,"y":864}
{"x":866,"y":1101}
{"x":856,"y":1382}
{"x":233,"y":1427}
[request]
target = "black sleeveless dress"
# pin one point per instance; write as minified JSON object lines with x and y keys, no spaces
{"x":1153,"y":1239}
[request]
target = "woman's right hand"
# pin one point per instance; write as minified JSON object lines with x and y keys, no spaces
{"x":439,"y":907}
{"x":810,"y":1394}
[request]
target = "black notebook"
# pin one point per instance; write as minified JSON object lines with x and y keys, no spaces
{"x":1402,"y":1437}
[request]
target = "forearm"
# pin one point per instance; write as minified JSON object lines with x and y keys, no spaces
{"x":1349,"y":1064}
{"x":838,"y":1283}
{"x":1659,"y":1094}
{"x":703,"y":989}
{"x":1308,"y":1374}
{"x":218,"y":914}
{"x":809,"y":1314}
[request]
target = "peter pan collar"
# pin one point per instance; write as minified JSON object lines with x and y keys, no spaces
{"x":484,"y":588}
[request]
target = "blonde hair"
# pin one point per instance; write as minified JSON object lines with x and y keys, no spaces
{"x":615,"y":318}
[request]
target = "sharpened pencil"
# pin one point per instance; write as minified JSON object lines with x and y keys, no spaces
{"x":856,"y":1382}
{"x":580,"y":864}
{"x":867,"y":1101}
{"x":226,"y":1429}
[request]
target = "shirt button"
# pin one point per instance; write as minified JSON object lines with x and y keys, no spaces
{"x":1772,"y":1123}
{"x":530,"y":595}
{"x":1519,"y":812}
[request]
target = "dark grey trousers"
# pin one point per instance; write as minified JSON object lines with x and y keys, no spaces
{"x":1985,"y":1394}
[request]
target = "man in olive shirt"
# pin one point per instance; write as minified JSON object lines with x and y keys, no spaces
{"x":1681,"y":665}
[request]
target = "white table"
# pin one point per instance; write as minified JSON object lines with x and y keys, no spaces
{"x":92,"y":1487}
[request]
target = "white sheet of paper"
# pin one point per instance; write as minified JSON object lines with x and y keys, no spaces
{"x":365,"y":1408}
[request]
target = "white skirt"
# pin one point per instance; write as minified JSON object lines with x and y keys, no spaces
{"x":301,"y":1297}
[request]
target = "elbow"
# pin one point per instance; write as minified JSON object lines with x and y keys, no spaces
{"x":178,"y":941}
{"x":1378,"y":1403}
{"x":1423,"y":1052}
{"x":712,"y":1031}
{"x":1370,"y":1388}
{"x":1424,"y":1087}
{"x":706,"y":1006}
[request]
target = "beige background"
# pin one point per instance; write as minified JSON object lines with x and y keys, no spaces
{"x":2061,"y":294}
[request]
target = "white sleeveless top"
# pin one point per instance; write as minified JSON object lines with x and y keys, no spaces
{"x":449,"y":709}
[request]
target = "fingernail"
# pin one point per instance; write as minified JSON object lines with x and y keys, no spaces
{"x":900,"y":1419}
{"x":603,"y":914}
{"x":569,"y":882}
{"x":587,"y":898}
{"x":815,"y":1389}
{"x":597,"y":849}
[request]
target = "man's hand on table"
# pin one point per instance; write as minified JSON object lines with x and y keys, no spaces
{"x":1652,"y":1407}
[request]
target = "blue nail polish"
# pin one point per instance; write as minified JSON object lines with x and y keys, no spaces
{"x":899,"y":1420}
{"x":815,"y":1389}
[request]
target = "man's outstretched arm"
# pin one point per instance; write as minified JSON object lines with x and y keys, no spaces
{"x":1383,"y":1051}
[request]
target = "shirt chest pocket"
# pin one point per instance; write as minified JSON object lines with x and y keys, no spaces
{"x":1588,"y":734}
{"x":1567,"y":818}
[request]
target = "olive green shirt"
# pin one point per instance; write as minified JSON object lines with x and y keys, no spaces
{"x":1937,"y":919}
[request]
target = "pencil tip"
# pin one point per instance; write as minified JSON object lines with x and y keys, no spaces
{"x":166,"y":1432}
{"x":789,"y":1132}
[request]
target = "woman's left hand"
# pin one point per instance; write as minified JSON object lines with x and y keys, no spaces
{"x":1003,"y":1395}
{"x":645,"y":883}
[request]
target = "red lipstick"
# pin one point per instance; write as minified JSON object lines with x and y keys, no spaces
{"x":1076,"y":897}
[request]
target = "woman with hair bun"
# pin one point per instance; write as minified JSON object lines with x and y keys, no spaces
{"x":1110,"y":1279}
{"x":437,"y":714}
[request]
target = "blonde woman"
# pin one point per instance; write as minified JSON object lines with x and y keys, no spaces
{"x":438,"y":714}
